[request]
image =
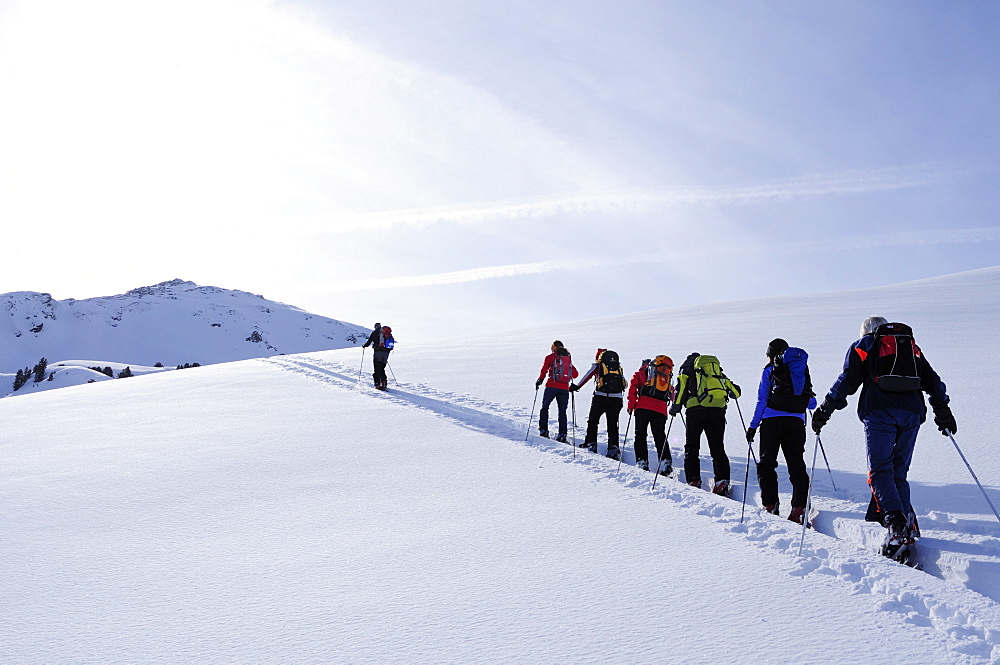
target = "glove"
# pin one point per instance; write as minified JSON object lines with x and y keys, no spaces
{"x":821,"y":416}
{"x":630,"y":412}
{"x":675,"y":408}
{"x":538,"y":384}
{"x":738,"y":391}
{"x":573,"y":387}
{"x":751,"y":433}
{"x":945,"y":419}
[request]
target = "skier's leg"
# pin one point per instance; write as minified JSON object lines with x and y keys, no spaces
{"x":562,"y":401}
{"x":543,"y":412}
{"x":692,"y":444}
{"x":767,"y":475}
{"x":658,"y":426}
{"x":902,"y":454}
{"x":880,"y":439}
{"x":793,"y":445}
{"x":715,"y":432}
{"x":593,"y":421}
{"x":613,"y":409}
{"x":641,"y":425}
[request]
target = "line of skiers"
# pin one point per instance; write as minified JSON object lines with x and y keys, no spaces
{"x":885,"y":363}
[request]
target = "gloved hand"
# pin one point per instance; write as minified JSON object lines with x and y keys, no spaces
{"x":821,"y":416}
{"x":573,"y":387}
{"x":675,"y":408}
{"x":738,"y":392}
{"x":945,"y":419}
{"x":630,"y":412}
{"x":538,"y":384}
{"x":751,"y":432}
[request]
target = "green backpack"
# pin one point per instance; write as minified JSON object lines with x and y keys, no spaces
{"x":710,"y":382}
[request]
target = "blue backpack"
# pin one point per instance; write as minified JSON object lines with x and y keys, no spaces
{"x":791,"y":387}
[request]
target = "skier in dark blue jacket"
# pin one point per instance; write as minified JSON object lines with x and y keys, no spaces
{"x":891,"y":421}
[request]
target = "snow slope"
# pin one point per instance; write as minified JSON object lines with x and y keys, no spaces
{"x":956,"y":320}
{"x":277,"y":510}
{"x":172,"y":323}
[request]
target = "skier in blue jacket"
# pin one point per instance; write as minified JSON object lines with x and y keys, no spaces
{"x":892,"y":420}
{"x":781,"y":430}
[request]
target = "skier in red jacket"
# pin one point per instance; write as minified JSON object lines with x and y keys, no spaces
{"x":649,"y":395}
{"x":558,"y":366}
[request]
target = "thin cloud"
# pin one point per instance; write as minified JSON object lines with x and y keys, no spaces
{"x":901,"y":239}
{"x":638,"y":201}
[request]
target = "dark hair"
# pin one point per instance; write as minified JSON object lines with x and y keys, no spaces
{"x":557,"y":344}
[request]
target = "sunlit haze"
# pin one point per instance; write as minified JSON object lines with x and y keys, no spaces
{"x":451,"y":167}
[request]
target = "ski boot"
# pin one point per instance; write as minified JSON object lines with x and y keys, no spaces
{"x":797,"y":515}
{"x":773,"y":509}
{"x":561,"y":438}
{"x":666,"y":469}
{"x":642,"y":464}
{"x":695,"y":483}
{"x":543,"y":433}
{"x":722,"y":488}
{"x":614,"y":452}
{"x":899,"y":544}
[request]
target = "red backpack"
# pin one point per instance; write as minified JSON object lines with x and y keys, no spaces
{"x":562,"y":369}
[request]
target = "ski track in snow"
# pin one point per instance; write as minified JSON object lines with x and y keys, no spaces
{"x":973,"y":636}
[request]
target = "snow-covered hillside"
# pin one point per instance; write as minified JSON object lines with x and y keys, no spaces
{"x":172,"y":323}
{"x":279,"y":510}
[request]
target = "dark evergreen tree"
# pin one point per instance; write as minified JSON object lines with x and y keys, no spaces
{"x":40,"y":370}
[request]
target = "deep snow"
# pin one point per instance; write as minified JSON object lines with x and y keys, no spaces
{"x":279,"y":511}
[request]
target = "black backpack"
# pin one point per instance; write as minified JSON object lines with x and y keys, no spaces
{"x":893,"y":362}
{"x":610,"y":378}
{"x":687,"y":369}
{"x":791,"y":387}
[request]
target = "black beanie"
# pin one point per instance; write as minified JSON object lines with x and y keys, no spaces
{"x":776,"y":347}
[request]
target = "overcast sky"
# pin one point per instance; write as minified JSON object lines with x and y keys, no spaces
{"x":449,"y":166}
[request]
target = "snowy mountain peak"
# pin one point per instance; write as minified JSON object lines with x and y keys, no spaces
{"x":173,"y":322}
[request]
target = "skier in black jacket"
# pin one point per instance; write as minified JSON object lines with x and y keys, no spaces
{"x":381,"y":342}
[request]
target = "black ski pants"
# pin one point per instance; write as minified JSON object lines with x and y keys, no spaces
{"x":561,"y":397}
{"x":656,"y":423}
{"x":712,"y":421}
{"x":379,"y":360}
{"x":788,"y":434}
{"x":610,"y":407}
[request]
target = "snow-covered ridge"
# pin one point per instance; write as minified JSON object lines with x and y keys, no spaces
{"x":171,"y":323}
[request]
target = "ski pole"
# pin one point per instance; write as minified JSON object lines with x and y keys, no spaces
{"x":531,"y":416}
{"x":659,"y":457}
{"x":392,"y":373}
{"x":362,"y":368}
{"x":746,"y":480}
{"x":805,"y":516}
{"x":621,"y":451}
{"x":750,"y":455}
{"x":828,"y":469}
{"x":822,"y":449}
{"x":572,"y":399}
{"x":969,"y":467}
{"x":743,"y":422}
